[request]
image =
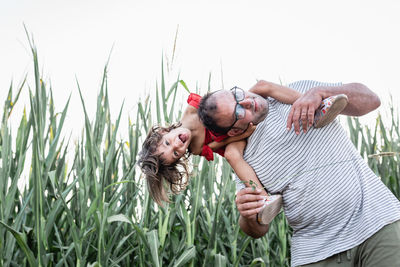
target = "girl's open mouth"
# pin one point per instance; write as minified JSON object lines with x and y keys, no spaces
{"x":183,"y":137}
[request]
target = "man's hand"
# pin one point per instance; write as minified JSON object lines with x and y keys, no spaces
{"x":248,"y":202}
{"x":303,"y":109}
{"x":361,"y":100}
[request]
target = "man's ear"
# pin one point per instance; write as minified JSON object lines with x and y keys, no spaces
{"x":234,"y":132}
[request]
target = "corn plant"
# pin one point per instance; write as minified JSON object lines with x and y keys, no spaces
{"x":380,"y":146}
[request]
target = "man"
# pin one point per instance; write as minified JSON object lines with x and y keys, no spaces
{"x":332,"y":200}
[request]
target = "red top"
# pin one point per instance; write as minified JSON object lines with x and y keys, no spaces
{"x":194,"y":101}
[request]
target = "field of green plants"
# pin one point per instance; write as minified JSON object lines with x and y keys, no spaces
{"x":96,"y":211}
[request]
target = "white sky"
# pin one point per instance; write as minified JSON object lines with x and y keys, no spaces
{"x":348,"y":41}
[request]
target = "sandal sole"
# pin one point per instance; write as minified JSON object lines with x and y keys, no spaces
{"x":337,"y":106}
{"x":271,"y":209}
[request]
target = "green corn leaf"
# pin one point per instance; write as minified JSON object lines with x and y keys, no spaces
{"x":186,"y":256}
{"x":219,"y":260}
{"x":158,"y":106}
{"x":51,"y":154}
{"x":164,"y":230}
{"x":258,"y":262}
{"x":22,"y":243}
{"x":171,"y":112}
{"x":184,"y":85}
{"x":118,"y":218}
{"x":163,"y":96}
{"x":152,"y":239}
{"x":243,"y":248}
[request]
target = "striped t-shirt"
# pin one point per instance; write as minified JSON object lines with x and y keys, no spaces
{"x":331,"y":198}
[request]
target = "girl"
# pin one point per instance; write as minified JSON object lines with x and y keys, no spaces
{"x":165,"y":151}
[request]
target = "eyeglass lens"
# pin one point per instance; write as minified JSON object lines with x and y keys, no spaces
{"x":239,"y":112}
{"x":239,"y":96}
{"x":238,"y":93}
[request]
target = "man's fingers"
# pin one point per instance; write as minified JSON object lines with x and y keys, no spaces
{"x":251,"y":205}
{"x":304,"y":119}
{"x":248,"y":198}
{"x":248,"y":190}
{"x":296,"y":117}
{"x":311,"y":112}
{"x":290,"y":119}
{"x":249,"y":209}
{"x":250,"y":213}
{"x":249,"y":201}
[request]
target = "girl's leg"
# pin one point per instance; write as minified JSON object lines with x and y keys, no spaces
{"x":234,"y":155}
{"x":273,"y":203}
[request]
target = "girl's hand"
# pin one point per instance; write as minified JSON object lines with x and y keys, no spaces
{"x":248,"y":131}
{"x":232,"y":139}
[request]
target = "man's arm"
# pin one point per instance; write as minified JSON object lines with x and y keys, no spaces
{"x":248,"y":205}
{"x":361,"y":100}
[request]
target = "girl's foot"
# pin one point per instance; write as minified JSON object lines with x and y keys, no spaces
{"x":329,"y":109}
{"x":272,"y":207}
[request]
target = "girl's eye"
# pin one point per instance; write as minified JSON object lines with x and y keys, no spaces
{"x":166,"y":142}
{"x":176,"y":153}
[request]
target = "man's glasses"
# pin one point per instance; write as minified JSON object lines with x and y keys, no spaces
{"x":240,"y":112}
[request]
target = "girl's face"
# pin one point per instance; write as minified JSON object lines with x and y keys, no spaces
{"x":174,"y":144}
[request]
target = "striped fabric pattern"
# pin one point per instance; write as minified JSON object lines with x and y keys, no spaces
{"x":331,"y":198}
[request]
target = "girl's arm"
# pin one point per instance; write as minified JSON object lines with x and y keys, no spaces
{"x":279,"y":92}
{"x":217,"y":145}
{"x":234,"y":155}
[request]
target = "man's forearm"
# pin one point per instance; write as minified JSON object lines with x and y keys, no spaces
{"x":361,"y":99}
{"x":252,"y":228}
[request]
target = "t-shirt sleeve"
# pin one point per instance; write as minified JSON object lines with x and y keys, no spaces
{"x":305,"y":85}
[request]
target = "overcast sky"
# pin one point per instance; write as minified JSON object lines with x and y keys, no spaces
{"x":331,"y":41}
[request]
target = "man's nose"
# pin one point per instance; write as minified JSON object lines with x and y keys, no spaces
{"x":246,"y":103}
